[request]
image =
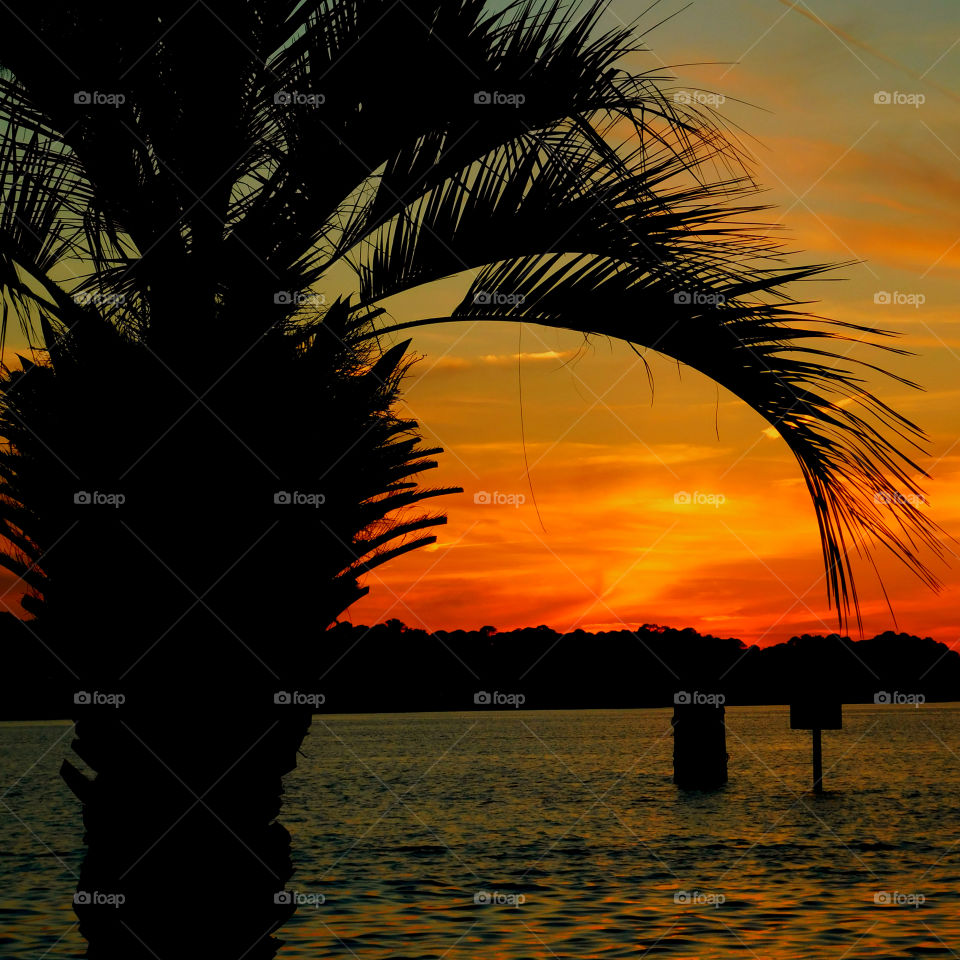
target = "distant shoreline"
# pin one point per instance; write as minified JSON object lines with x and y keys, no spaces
{"x":390,"y":668}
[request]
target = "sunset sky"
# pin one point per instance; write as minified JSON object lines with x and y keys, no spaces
{"x":851,"y":180}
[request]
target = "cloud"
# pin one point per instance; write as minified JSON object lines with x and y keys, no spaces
{"x":848,"y":38}
{"x":663,"y":453}
{"x":446,"y":362}
{"x":512,"y":358}
{"x":451,"y":362}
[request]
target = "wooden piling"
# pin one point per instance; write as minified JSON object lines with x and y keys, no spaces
{"x":699,"y":746}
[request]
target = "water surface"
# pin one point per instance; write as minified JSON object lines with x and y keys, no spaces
{"x":522,"y":834}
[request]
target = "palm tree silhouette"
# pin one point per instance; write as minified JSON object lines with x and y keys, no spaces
{"x":204,"y":208}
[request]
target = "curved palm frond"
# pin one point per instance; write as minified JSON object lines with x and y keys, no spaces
{"x":412,"y":142}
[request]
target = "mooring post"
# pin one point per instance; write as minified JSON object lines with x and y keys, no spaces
{"x":699,"y":746}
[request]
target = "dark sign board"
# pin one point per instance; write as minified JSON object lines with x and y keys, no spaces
{"x":816,"y":715}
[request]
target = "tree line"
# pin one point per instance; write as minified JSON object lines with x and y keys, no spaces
{"x":390,"y":667}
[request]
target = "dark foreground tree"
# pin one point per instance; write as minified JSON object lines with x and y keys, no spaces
{"x":204,"y":208}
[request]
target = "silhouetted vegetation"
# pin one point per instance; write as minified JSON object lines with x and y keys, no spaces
{"x":391,"y":667}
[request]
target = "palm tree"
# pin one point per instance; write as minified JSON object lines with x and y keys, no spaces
{"x":204,"y":210}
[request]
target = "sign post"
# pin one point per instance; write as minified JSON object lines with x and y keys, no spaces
{"x":816,"y":715}
{"x":817,"y":761}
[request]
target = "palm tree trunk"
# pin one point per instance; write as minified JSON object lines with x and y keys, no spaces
{"x":196,"y":610}
{"x":185,"y":857}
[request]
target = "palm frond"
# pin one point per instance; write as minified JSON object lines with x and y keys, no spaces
{"x":510,"y":145}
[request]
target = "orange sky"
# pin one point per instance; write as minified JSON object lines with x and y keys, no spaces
{"x":852,"y":179}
